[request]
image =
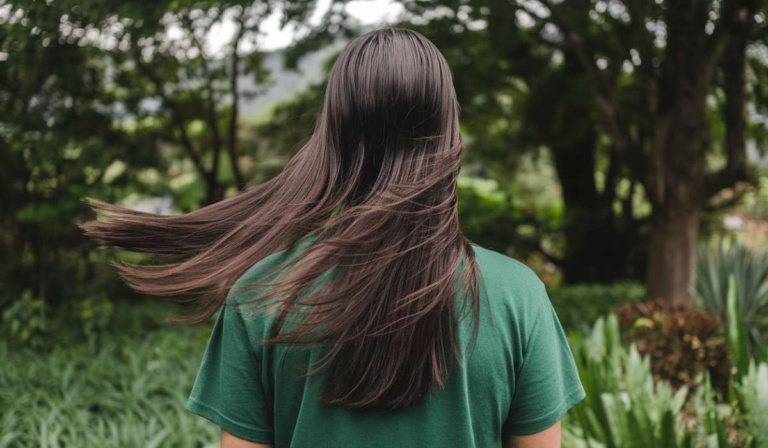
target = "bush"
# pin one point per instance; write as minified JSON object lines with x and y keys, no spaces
{"x":750,"y":273}
{"x":25,"y":321}
{"x":753,"y":392}
{"x":681,"y":342}
{"x":626,"y":407}
{"x":31,"y":323}
{"x":579,"y":306}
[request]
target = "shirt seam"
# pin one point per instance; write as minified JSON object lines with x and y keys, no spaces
{"x":525,"y":349}
{"x":533,"y":331}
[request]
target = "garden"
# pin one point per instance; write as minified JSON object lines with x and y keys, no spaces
{"x":641,"y":203}
{"x":114,"y":374}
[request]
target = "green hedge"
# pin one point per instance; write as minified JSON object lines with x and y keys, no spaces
{"x":579,"y":306}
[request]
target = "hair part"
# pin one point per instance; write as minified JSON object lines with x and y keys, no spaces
{"x":376,"y":184}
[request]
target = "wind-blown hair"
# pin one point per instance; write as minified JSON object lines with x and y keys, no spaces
{"x":375,"y":184}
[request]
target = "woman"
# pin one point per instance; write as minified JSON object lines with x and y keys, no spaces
{"x":351,"y":309}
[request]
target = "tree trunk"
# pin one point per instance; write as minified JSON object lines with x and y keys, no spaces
{"x":678,"y":198}
{"x":677,"y":166}
{"x":596,"y":248}
{"x":672,"y":259}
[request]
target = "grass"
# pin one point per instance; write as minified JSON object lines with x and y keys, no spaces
{"x":127,"y":389}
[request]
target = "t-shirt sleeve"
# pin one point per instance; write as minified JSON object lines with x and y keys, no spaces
{"x":228,"y":389}
{"x":547,"y":384}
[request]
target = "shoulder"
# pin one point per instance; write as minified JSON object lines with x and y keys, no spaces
{"x":517,"y":300}
{"x":512,"y":291}
{"x":264,"y":270}
{"x":504,"y":272}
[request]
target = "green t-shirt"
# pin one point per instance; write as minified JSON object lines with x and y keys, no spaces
{"x":520,"y":378}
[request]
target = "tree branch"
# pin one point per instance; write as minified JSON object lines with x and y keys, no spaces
{"x":233,"y":85}
{"x":643,"y":43}
{"x":718,"y":40}
{"x":602,"y":88}
{"x":176,"y":117}
{"x":211,"y":117}
{"x":731,"y":200}
{"x":734,"y":64}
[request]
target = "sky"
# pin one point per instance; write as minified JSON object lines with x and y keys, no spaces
{"x":366,"y":11}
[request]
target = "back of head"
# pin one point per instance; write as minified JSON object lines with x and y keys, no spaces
{"x":376,"y":184}
{"x":390,"y":88}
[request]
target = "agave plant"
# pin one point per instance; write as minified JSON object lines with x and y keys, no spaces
{"x":750,"y":274}
{"x":624,"y":406}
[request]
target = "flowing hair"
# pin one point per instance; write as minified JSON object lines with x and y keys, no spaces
{"x":375,"y":185}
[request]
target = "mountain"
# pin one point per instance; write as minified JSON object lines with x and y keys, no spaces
{"x":283,"y":83}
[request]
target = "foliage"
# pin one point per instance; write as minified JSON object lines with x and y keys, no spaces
{"x":117,"y":100}
{"x":717,"y":424}
{"x":579,"y":306}
{"x":756,"y":200}
{"x":128,"y":390}
{"x":57,"y":141}
{"x":680,"y":342}
{"x":502,"y":219}
{"x":25,"y":321}
{"x":626,"y":407}
{"x":520,"y":95}
{"x":750,"y":272}
{"x":597,"y":84}
{"x":736,"y":332}
{"x":753,"y":391}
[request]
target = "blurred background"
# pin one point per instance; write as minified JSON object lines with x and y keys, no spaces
{"x":618,"y":147}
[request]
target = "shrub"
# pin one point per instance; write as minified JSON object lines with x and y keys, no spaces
{"x":25,"y":321}
{"x":750,"y":273}
{"x":93,"y":320}
{"x":93,"y":315}
{"x":753,"y":392}
{"x":681,"y":342}
{"x":625,"y":407}
{"x":579,"y":306}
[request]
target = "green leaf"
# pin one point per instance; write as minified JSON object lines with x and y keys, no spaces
{"x":737,"y":335}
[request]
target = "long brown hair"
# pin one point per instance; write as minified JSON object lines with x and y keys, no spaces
{"x":375,"y":185}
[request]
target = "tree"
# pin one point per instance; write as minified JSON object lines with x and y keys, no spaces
{"x":165,"y":56}
{"x":54,"y":129}
{"x":520,"y":93}
{"x":95,"y":94}
{"x":652,"y":69}
{"x":672,"y":141}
